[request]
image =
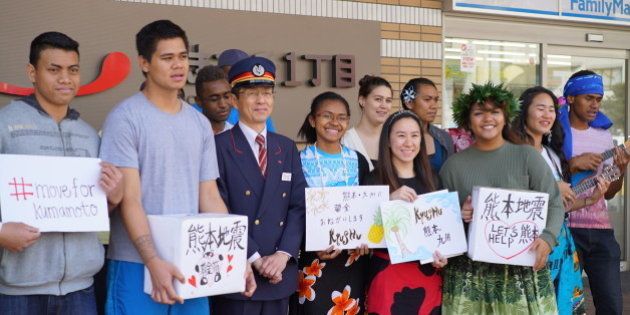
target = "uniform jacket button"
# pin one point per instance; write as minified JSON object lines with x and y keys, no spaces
{"x":257,"y":222}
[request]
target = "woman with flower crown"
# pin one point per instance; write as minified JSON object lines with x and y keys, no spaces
{"x":472,"y":287}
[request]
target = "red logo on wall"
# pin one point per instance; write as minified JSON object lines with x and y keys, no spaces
{"x":114,"y":70}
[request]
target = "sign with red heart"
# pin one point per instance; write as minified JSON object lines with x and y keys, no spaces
{"x":192,"y":281}
{"x":501,"y":238}
{"x":505,"y":225}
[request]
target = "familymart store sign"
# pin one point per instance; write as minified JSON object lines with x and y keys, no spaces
{"x":597,"y":11}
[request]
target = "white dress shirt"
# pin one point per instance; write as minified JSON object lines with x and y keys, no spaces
{"x":250,"y":136}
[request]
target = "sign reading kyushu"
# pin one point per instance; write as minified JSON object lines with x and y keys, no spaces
{"x":53,"y":194}
{"x":414,"y":231}
{"x":344,"y":217}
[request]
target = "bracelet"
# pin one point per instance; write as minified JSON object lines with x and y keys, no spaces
{"x":584,"y":206}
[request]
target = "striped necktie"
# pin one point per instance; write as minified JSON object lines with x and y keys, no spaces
{"x":262,"y":154}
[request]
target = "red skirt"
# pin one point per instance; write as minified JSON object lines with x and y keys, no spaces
{"x":402,"y":289}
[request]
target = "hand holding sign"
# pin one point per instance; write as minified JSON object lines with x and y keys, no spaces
{"x":250,"y":282}
{"x":439,"y":261}
{"x":329,"y":253}
{"x":467,"y":210}
{"x":16,"y":237}
{"x":542,"y":250}
{"x":162,"y":276}
{"x":404,"y":193}
{"x":112,"y":184}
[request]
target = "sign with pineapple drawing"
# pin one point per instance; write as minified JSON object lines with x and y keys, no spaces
{"x":505,"y":224}
{"x":209,"y":249}
{"x":414,"y":231}
{"x":345,"y":217}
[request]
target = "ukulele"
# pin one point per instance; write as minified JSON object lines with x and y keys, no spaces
{"x":609,"y":172}
{"x":580,"y":176}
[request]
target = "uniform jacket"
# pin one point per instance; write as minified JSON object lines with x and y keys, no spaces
{"x":274,"y":204}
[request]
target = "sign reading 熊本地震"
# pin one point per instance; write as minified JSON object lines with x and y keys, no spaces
{"x":414,"y":231}
{"x":598,"y":11}
{"x":209,"y":249}
{"x":344,"y":217}
{"x":505,"y":224}
{"x":53,"y":194}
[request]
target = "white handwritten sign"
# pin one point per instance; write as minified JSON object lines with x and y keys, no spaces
{"x":414,"y":231}
{"x":54,"y":194}
{"x":345,"y":217}
{"x":209,"y":249}
{"x":505,"y":224}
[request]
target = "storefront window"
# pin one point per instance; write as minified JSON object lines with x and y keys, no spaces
{"x":468,"y":61}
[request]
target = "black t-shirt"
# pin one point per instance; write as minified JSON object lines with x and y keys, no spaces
{"x":415,"y":183}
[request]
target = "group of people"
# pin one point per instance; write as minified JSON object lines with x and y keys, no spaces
{"x":162,"y":156}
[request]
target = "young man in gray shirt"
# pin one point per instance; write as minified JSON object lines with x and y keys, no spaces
{"x":166,"y":151}
{"x":51,"y":273}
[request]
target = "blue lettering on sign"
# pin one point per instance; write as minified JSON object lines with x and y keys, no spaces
{"x":603,"y":10}
{"x":607,"y":7}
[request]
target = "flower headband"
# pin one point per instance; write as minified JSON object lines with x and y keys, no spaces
{"x":479,"y":94}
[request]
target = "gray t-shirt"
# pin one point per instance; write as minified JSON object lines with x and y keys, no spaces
{"x":172,"y":152}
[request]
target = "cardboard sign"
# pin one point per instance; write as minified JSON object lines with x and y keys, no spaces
{"x":505,"y":224}
{"x":345,"y":217}
{"x":210,"y":250}
{"x":53,"y":194}
{"x":414,"y":231}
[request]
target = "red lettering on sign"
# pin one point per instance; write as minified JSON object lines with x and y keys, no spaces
{"x":115,"y":69}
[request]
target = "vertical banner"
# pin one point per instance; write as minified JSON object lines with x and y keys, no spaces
{"x":414,"y":231}
{"x":505,"y":224}
{"x":468,"y":63}
{"x":345,"y":217}
{"x":53,"y":194}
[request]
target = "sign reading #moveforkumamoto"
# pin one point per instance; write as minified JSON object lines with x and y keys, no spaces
{"x":414,"y":231}
{"x":344,"y":217}
{"x":505,"y":224}
{"x":53,"y":194}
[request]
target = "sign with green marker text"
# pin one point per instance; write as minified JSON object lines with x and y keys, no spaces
{"x":414,"y":231}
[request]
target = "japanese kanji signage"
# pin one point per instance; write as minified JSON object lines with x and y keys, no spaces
{"x":505,"y":224}
{"x":53,"y":194}
{"x":210,"y":250}
{"x":345,"y":217}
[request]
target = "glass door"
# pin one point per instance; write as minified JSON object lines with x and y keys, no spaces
{"x":560,"y":63}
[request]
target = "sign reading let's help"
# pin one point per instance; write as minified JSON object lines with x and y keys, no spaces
{"x":505,"y":224}
{"x":344,"y":217}
{"x":53,"y":194}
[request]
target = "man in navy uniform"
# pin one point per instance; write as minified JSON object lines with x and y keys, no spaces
{"x":261,"y":177}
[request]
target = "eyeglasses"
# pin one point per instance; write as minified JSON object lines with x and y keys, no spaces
{"x":328,"y":116}
{"x":256,"y":94}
